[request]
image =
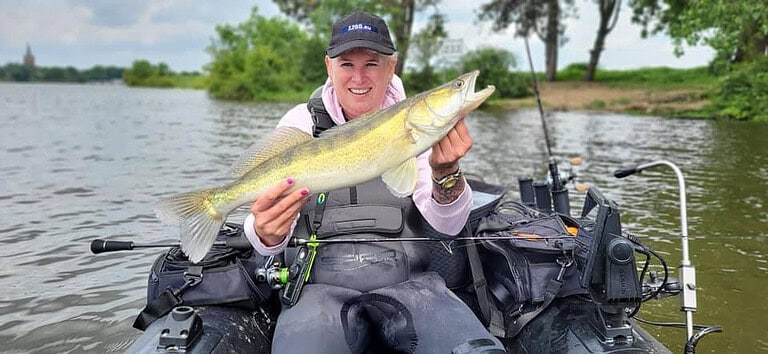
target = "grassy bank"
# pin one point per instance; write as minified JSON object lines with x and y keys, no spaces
{"x":658,"y":91}
{"x":190,"y":81}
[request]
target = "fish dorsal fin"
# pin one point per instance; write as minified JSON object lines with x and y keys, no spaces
{"x":401,"y":181}
{"x":273,"y":144}
{"x":352,"y":124}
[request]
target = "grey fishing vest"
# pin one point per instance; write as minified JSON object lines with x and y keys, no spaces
{"x":368,"y":210}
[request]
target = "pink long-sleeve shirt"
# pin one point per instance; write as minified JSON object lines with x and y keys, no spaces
{"x":446,"y":218}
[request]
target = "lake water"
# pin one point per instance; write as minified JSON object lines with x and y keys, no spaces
{"x":80,"y":162}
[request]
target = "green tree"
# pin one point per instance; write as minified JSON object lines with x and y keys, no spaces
{"x":424,"y":45}
{"x":56,"y":74}
{"x":313,"y":64}
{"x":495,"y":67}
{"x":428,"y":41}
{"x":261,"y":59}
{"x":144,"y":73}
{"x":544,"y":18}
{"x":140,"y":71}
{"x":18,"y":72}
{"x":102,"y":73}
{"x":743,"y":93}
{"x":736,"y":29}
{"x":322,"y":14}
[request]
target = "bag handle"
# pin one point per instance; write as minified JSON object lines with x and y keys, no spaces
{"x":169,"y":299}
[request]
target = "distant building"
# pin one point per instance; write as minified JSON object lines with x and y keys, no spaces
{"x":450,"y":53}
{"x":29,"y":59}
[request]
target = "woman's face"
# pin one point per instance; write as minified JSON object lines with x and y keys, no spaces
{"x":360,"y":77}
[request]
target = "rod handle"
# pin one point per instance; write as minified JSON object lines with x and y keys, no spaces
{"x":626,"y":170}
{"x":101,"y":246}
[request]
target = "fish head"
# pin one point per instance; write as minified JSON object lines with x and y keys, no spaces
{"x":453,"y":100}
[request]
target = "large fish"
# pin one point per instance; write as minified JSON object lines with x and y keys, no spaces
{"x":384,"y":143}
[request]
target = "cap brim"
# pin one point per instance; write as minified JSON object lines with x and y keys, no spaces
{"x":358,"y":43}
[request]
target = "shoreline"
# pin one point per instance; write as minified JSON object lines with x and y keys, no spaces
{"x":596,"y":96}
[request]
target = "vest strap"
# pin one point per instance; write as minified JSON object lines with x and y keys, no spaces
{"x":492,"y":314}
{"x":320,"y":118}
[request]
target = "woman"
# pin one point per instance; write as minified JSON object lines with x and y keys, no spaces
{"x":368,"y":296}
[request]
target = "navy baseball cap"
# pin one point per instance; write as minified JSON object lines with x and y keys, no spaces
{"x":360,"y":30}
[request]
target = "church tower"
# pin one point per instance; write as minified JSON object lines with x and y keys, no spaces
{"x":29,"y":59}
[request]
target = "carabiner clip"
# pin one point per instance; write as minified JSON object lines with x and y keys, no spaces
{"x":192,"y":276}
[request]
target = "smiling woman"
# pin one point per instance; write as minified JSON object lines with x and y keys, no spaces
{"x":357,"y":76}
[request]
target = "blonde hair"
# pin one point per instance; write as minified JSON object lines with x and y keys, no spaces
{"x":382,"y":57}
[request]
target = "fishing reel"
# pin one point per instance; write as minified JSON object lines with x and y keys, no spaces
{"x":290,"y":281}
{"x":273,"y":274}
{"x":568,"y":175}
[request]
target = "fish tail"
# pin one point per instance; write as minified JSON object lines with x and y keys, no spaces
{"x":199,"y":221}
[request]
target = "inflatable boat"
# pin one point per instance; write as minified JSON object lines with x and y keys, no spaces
{"x":540,"y":278}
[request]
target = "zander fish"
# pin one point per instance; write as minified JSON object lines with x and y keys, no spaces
{"x":383,"y":143}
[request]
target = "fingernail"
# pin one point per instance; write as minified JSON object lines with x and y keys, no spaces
{"x":289,"y":181}
{"x":304,"y":192}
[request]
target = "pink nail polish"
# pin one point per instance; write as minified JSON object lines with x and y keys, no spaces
{"x":289,"y":180}
{"x":304,"y":192}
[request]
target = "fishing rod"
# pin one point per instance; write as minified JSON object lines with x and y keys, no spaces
{"x":241,"y":243}
{"x":538,"y":98}
{"x":101,"y":246}
{"x":561,"y":201}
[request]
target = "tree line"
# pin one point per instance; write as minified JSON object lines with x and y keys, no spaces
{"x":282,"y":58}
{"x":23,"y":73}
{"x":279,"y":59}
{"x":145,"y":74}
{"x":269,"y":58}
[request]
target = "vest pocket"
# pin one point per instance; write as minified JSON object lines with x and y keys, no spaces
{"x":383,"y":220}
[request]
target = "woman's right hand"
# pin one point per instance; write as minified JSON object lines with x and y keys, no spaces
{"x":275,"y":210}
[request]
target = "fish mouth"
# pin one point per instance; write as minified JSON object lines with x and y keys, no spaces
{"x":474,"y":99}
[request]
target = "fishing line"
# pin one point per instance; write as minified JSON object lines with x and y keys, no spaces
{"x":526,"y":236}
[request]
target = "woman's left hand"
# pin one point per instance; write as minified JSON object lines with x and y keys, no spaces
{"x":448,"y":151}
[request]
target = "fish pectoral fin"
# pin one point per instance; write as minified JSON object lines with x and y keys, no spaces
{"x":280,"y":140}
{"x":401,"y":181}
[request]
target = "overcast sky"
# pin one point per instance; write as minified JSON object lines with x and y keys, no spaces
{"x":84,"y":33}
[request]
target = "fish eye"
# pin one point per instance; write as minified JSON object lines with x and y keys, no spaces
{"x":458,"y":84}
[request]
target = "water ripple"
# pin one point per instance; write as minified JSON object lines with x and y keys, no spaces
{"x":117,"y":150}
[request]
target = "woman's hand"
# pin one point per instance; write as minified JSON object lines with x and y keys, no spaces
{"x":448,"y":151}
{"x":275,"y":210}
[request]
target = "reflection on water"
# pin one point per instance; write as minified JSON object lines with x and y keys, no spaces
{"x":80,"y":162}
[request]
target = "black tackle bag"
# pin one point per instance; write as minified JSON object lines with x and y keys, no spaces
{"x":225,"y":277}
{"x":532,"y":263}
